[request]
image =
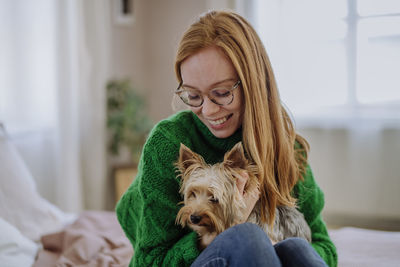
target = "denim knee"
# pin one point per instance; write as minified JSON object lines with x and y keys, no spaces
{"x":241,"y":245}
{"x":293,"y":243}
{"x":296,"y":251}
{"x":246,"y":235}
{"x":214,"y":262}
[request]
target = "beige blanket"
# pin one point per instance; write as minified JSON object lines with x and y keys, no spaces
{"x":94,"y":239}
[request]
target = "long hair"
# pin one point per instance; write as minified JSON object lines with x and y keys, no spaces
{"x":269,"y":137}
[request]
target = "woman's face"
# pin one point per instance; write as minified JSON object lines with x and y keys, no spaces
{"x":208,"y":69}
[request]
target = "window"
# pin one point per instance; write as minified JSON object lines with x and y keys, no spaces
{"x":339,"y":56}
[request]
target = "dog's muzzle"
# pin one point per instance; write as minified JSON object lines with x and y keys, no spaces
{"x":195,"y":219}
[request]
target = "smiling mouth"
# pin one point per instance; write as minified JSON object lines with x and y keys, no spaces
{"x":220,"y":121}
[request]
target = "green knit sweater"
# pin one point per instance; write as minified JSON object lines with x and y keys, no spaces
{"x":148,"y":208}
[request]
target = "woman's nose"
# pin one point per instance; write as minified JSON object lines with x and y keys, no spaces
{"x":209,"y":107}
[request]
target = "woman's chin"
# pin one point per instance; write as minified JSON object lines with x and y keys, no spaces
{"x":222,"y":133}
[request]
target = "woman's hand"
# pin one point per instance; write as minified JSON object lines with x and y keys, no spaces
{"x":250,"y":197}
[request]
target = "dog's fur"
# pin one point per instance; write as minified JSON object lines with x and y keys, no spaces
{"x":212,"y":202}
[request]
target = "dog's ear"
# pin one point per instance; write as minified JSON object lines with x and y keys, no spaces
{"x":187,"y":158}
{"x":235,"y":158}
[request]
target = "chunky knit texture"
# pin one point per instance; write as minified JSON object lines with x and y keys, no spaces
{"x":148,"y":208}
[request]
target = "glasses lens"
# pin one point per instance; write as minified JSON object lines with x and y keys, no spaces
{"x":191,"y":97}
{"x":221,"y":96}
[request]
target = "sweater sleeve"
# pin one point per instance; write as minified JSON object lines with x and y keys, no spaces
{"x":311,"y":203}
{"x":148,"y":209}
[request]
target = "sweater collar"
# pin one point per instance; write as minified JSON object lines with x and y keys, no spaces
{"x":222,"y":144}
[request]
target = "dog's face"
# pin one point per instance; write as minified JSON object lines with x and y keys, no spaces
{"x":212,"y":201}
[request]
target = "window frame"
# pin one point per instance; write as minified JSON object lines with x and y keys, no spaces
{"x":353,"y":110}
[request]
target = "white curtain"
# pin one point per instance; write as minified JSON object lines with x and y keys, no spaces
{"x":54,"y":67}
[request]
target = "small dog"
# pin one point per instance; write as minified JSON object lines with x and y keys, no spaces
{"x":212,"y":202}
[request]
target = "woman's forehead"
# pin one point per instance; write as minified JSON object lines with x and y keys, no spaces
{"x":207,"y":67}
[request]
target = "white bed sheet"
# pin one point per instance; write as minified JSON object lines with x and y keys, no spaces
{"x":366,"y":248}
{"x":21,"y":205}
{"x":15,"y":248}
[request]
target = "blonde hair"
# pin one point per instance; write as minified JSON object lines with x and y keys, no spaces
{"x":269,"y":137}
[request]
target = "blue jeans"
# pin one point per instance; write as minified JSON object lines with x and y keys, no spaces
{"x":247,"y":245}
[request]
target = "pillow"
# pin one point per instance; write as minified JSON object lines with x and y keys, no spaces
{"x":15,"y":249}
{"x":20,"y":203}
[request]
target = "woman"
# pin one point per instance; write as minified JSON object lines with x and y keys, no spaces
{"x":226,"y":79}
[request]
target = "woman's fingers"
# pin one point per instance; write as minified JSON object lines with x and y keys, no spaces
{"x":250,"y":197}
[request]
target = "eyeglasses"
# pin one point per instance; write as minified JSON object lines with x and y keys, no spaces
{"x":194,"y":98}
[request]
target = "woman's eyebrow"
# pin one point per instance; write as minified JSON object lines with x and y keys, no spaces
{"x":212,"y":85}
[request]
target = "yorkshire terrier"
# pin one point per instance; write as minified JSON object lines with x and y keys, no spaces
{"x":213,"y":203}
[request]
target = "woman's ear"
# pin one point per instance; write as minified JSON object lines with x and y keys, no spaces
{"x":235,"y":158}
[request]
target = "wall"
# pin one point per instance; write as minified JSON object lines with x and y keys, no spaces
{"x":167,"y":20}
{"x":127,"y":46}
{"x":358,"y":169}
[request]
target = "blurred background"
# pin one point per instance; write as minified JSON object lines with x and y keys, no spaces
{"x":71,"y":70}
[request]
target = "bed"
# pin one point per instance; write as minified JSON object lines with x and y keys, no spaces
{"x":34,"y":232}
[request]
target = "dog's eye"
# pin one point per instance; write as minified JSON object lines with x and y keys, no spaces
{"x":192,"y":194}
{"x":214,"y":200}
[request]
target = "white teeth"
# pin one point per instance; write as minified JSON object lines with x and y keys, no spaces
{"x":220,"y":121}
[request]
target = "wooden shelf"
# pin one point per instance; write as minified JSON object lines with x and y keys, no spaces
{"x":123,"y":178}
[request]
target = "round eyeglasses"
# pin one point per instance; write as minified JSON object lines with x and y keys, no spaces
{"x":194,"y":98}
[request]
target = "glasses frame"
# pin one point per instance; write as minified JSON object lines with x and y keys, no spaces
{"x":180,"y":90}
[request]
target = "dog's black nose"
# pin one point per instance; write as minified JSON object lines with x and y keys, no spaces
{"x":195,"y":219}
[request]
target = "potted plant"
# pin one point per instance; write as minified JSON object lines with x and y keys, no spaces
{"x":127,"y":120}
{"x":128,"y":125}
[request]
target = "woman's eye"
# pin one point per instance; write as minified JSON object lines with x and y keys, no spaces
{"x":193,"y":96}
{"x":221,"y":92}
